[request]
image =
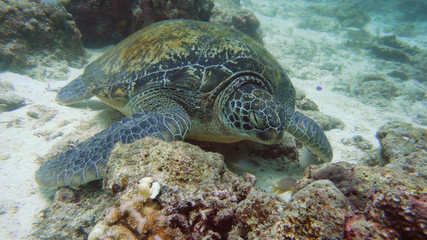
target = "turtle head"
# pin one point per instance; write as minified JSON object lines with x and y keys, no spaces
{"x":254,"y":114}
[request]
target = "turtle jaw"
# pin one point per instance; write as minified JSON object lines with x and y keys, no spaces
{"x":268,"y":136}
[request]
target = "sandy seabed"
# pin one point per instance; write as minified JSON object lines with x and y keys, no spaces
{"x":25,"y":139}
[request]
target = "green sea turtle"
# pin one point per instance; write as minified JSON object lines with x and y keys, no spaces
{"x":181,"y":79}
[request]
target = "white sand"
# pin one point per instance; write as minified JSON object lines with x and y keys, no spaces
{"x":21,"y":146}
{"x":306,"y":74}
{"x":359,"y":118}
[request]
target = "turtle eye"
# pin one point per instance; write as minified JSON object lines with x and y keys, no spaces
{"x":258,"y":119}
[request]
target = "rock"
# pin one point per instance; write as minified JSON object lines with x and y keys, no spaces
{"x":303,"y":220}
{"x":393,"y":215}
{"x":357,"y":227}
{"x":364,"y":186}
{"x":345,"y":178}
{"x":331,"y":66}
{"x":41,"y":114}
{"x":4,"y":156}
{"x":402,"y":212}
{"x":310,"y":109}
{"x":17,"y":123}
{"x":299,"y":94}
{"x":388,"y":53}
{"x":392,"y":41}
{"x":400,"y":28}
{"x":102,"y":22}
{"x":306,"y":104}
{"x":380,"y":195}
{"x":49,"y":67}
{"x":351,"y":15}
{"x":321,"y":191}
{"x":321,"y":194}
{"x":10,"y":101}
{"x":374,"y":158}
{"x":110,"y":21}
{"x":413,"y":10}
{"x":148,"y":158}
{"x":374,"y":89}
{"x":230,"y":13}
{"x":31,"y":31}
{"x":325,"y":121}
{"x":277,"y":157}
{"x":358,"y":182}
{"x":319,"y":23}
{"x":199,"y":198}
{"x":404,"y":145}
{"x":391,"y":48}
{"x":359,"y":142}
{"x":6,"y":86}
{"x":267,"y":8}
{"x":413,"y":58}
{"x":421,"y":119}
{"x":358,"y":35}
{"x":398,"y":74}
{"x":414,"y":92}
{"x":246,"y":22}
{"x":72,"y":213}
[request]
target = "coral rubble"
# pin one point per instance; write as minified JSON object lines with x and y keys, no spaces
{"x":9,"y":100}
{"x":41,"y":34}
{"x":73,"y":213}
{"x":230,"y":13}
{"x":159,"y":190}
{"x":109,"y":21}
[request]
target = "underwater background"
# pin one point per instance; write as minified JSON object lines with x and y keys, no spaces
{"x":359,"y":68}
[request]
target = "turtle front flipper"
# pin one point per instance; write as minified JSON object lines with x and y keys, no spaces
{"x":87,"y":161}
{"x":310,"y":134}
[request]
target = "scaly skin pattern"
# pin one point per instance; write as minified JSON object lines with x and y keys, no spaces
{"x":182,"y":79}
{"x":260,"y":116}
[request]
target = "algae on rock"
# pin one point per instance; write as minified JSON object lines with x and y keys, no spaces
{"x":200,"y":198}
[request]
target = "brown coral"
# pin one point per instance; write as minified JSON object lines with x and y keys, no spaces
{"x":247,"y":23}
{"x":33,"y":34}
{"x":317,"y":205}
{"x":229,"y":12}
{"x":109,"y":21}
{"x":400,"y":215}
{"x":405,"y":146}
{"x":200,"y":199}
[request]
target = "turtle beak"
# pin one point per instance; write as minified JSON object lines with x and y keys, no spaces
{"x":270,"y":136}
{"x":273,"y":133}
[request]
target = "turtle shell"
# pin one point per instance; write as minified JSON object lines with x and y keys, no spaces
{"x":184,"y":54}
